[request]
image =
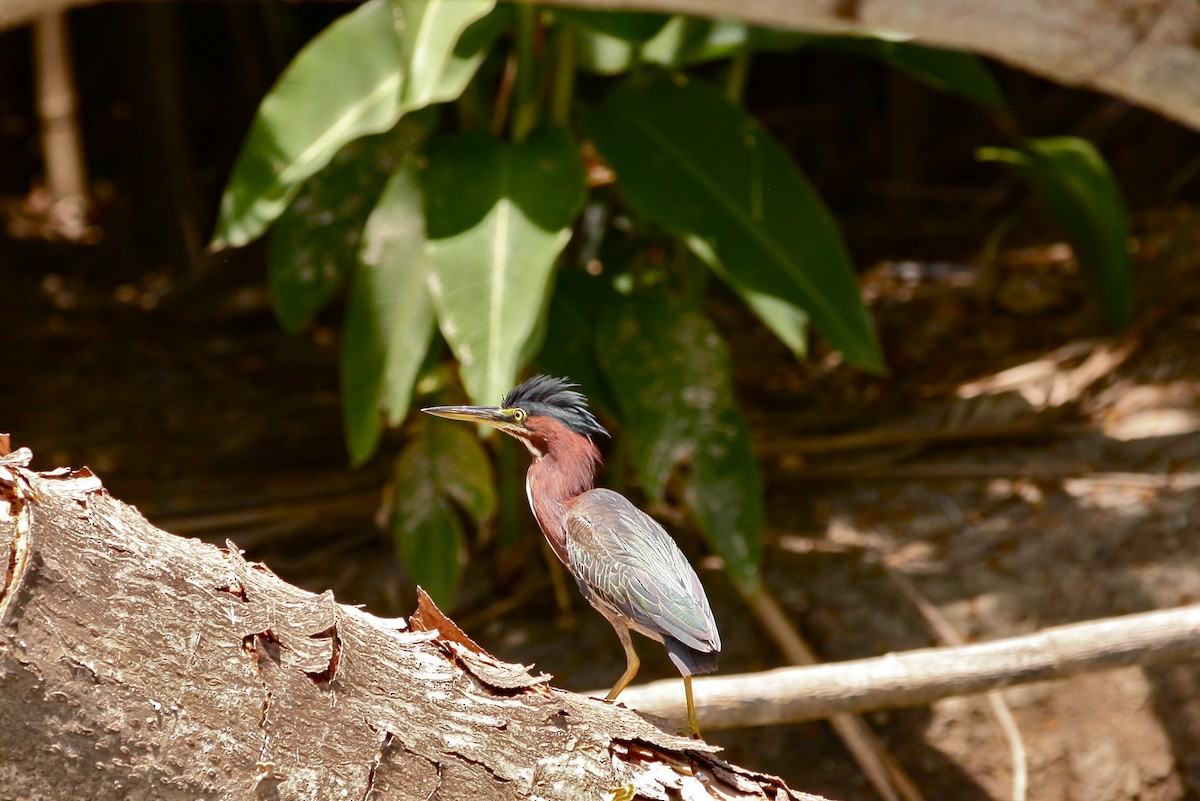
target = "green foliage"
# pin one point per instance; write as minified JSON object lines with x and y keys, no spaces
{"x":681,"y":42}
{"x":569,"y":348}
{"x":440,"y":226}
{"x":671,"y":373}
{"x":389,"y":317}
{"x":690,"y":160}
{"x":442,"y":473}
{"x":1072,"y":180}
{"x":315,"y":241}
{"x":356,"y":78}
{"x":498,"y":217}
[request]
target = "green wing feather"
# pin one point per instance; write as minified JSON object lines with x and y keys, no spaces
{"x":624,"y":557}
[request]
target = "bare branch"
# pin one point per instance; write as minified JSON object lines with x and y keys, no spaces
{"x":915,"y":678}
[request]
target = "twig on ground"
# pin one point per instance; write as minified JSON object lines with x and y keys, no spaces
{"x":872,"y":757}
{"x":999,"y":707}
{"x":919,"y":677}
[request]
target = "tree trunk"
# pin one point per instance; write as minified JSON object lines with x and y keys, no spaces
{"x":136,"y":664}
{"x":1143,"y":51}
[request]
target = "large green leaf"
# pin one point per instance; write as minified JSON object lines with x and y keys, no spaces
{"x":671,"y":375}
{"x":498,"y":217}
{"x":389,"y":319}
{"x":443,"y":43}
{"x":786,"y":321}
{"x":313,"y":245}
{"x":688,"y":159}
{"x":357,"y":77}
{"x":1074,"y":183}
{"x":444,"y":464}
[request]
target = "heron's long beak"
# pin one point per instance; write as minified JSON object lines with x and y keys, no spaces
{"x":490,"y":415}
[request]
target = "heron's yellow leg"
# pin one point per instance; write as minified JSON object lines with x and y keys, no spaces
{"x":632,"y":663}
{"x":693,"y":724}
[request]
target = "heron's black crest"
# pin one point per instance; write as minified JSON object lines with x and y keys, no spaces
{"x":555,"y":397}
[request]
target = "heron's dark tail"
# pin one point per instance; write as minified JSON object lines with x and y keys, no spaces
{"x":689,"y":660}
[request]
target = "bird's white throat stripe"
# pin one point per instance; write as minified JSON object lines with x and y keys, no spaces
{"x":533,"y":449}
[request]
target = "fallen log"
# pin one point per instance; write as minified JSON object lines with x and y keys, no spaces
{"x":136,"y":664}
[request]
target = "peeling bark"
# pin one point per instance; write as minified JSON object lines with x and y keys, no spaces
{"x":135,"y":664}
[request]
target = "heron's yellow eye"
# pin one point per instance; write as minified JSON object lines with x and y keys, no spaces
{"x":519,"y":415}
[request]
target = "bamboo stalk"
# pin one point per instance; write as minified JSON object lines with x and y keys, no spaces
{"x":62,"y":144}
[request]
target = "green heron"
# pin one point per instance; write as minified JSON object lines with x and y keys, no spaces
{"x":625,"y":563}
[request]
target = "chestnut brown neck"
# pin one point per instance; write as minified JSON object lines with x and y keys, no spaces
{"x":564,"y":467}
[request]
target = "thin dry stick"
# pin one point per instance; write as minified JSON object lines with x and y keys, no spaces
{"x":504,"y":95}
{"x":919,"y":677}
{"x":872,"y":757}
{"x":889,"y":436}
{"x":999,"y":707}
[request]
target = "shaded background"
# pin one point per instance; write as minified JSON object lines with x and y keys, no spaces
{"x":163,"y":369}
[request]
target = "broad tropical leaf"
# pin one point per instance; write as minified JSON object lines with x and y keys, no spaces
{"x":788,"y":322}
{"x":688,"y":159}
{"x":671,"y":375}
{"x":1074,"y":183}
{"x":443,"y":43}
{"x":445,"y":464}
{"x":389,"y":319}
{"x":498,"y":217}
{"x":314,"y":243}
{"x":357,"y":77}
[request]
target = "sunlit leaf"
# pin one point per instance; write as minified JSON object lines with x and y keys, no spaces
{"x":389,"y":319}
{"x":671,"y":375}
{"x":498,"y":217}
{"x":443,"y":43}
{"x":1074,"y":183}
{"x":786,"y":321}
{"x":357,"y":77}
{"x":344,"y":84}
{"x":314,"y":244}
{"x":445,"y":464}
{"x":691,"y":161}
{"x":683,"y":41}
